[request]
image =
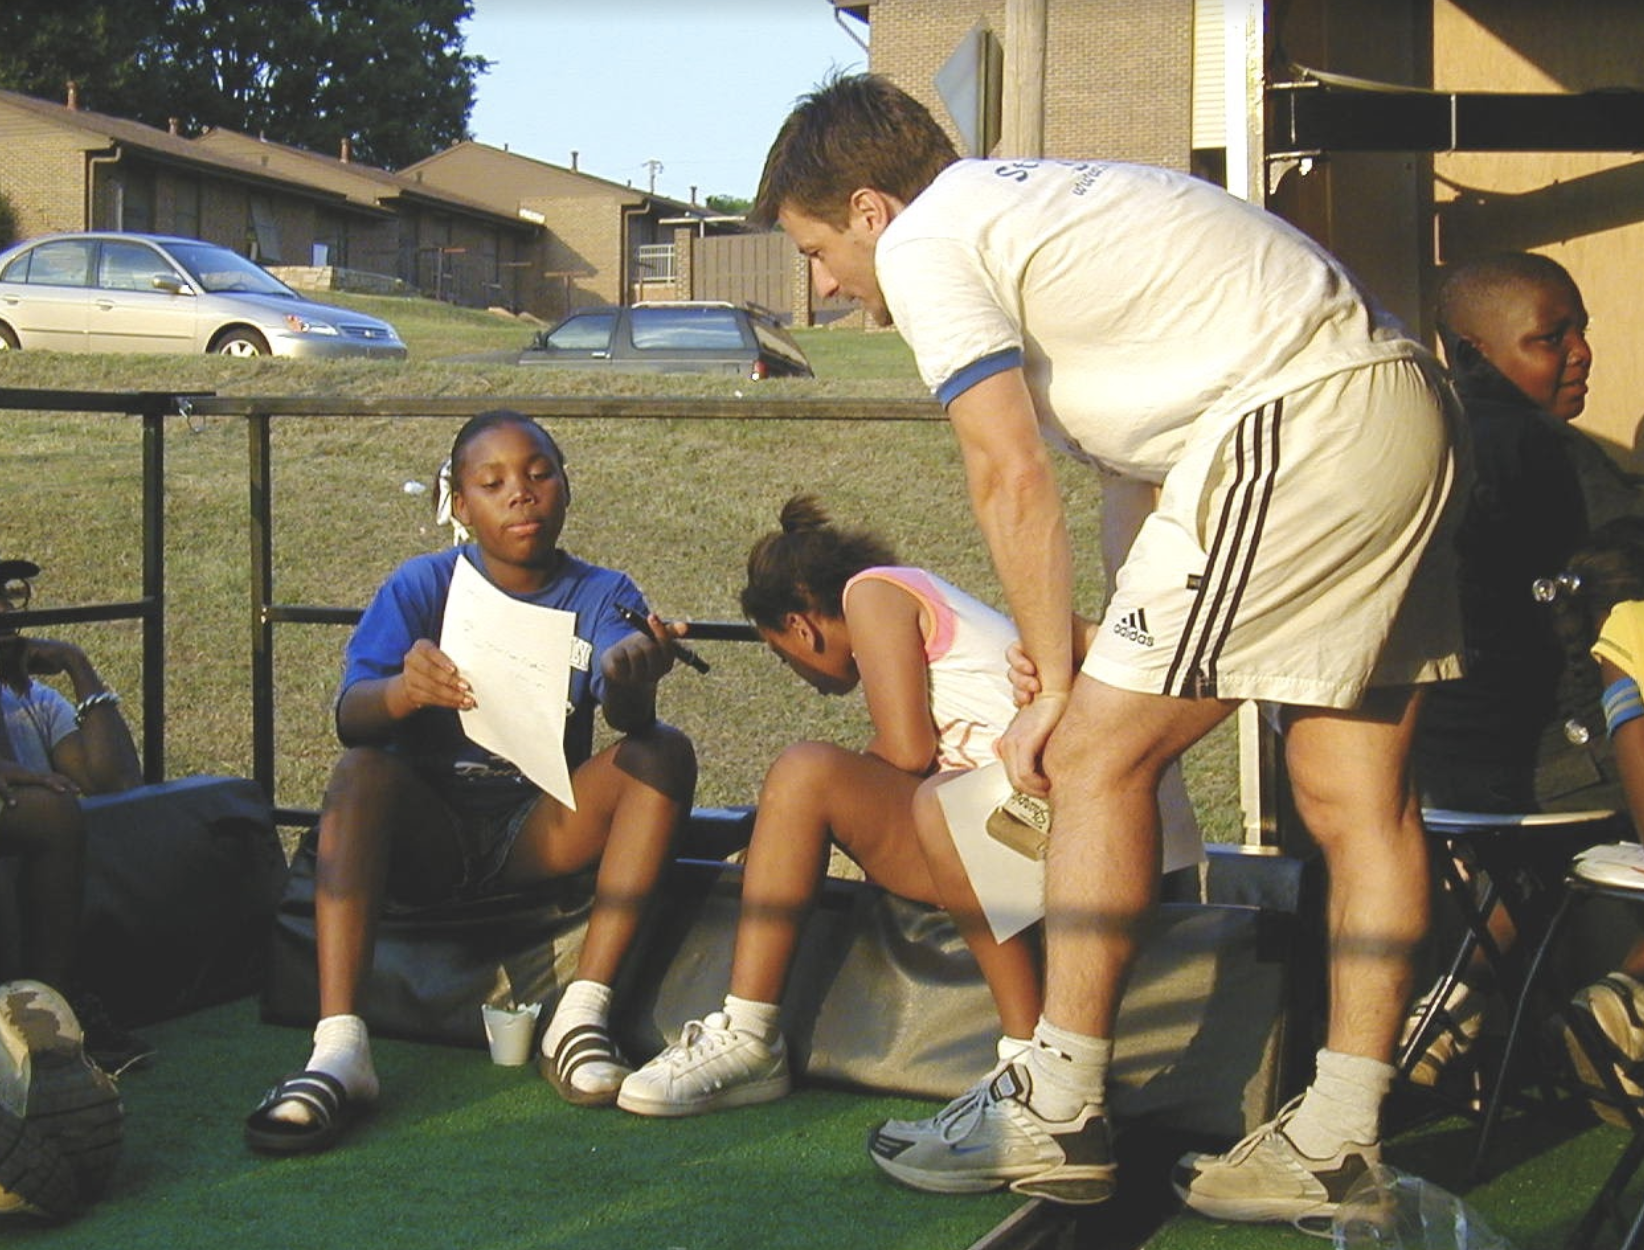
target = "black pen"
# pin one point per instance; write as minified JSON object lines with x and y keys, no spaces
{"x":638,"y":621}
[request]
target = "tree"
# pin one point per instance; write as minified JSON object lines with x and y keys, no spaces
{"x":730,"y":205}
{"x":391,"y":76}
{"x":45,"y":44}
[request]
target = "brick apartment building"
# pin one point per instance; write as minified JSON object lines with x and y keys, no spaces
{"x":67,"y":168}
{"x":439,"y":242}
{"x":603,"y":242}
{"x":543,"y":238}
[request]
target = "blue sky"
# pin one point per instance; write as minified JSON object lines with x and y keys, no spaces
{"x":700,"y":87}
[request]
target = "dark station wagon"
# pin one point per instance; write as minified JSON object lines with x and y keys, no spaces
{"x":686,"y":336}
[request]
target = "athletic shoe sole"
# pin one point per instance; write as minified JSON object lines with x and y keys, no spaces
{"x":70,"y":1100}
{"x":1065,"y":1185}
{"x":1271,"y":1209}
{"x":36,"y":1178}
{"x":732,"y":1096}
{"x":1072,"y":1182}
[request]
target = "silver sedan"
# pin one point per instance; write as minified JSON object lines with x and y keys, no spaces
{"x":121,"y":292}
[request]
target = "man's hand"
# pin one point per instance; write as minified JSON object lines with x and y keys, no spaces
{"x":1021,"y":748}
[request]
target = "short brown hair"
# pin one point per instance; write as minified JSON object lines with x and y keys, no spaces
{"x":854,"y":131}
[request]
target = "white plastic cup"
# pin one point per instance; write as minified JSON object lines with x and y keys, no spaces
{"x":510,"y":1030}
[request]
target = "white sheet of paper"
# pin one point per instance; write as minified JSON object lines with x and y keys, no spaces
{"x":516,"y":657}
{"x":1009,"y":886}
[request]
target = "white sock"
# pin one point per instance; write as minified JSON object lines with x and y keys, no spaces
{"x":1068,"y":1070}
{"x":761,"y":1020}
{"x":585,"y":1004}
{"x":342,"y":1049}
{"x":1008,"y":1047}
{"x":1342,"y":1105}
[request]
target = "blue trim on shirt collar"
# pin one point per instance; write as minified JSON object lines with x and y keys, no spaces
{"x":978,"y":371}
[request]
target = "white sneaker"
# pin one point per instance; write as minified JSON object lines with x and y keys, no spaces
{"x":711,"y":1068}
{"x":990,"y":1137}
{"x":1265,"y":1178}
{"x":1450,"y":1034}
{"x":1614,"y":1006}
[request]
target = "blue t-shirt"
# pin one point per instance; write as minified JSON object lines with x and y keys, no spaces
{"x":411,"y":605}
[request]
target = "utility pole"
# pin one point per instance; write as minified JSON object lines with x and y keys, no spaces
{"x":654,"y":166}
{"x":1022,"y":125}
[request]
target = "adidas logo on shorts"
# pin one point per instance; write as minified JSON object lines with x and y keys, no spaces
{"x":1133,"y":625}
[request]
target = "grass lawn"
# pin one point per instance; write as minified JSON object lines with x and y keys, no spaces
{"x":675,"y":502}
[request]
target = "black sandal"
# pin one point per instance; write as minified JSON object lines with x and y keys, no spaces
{"x":584,"y":1044}
{"x":329,"y":1108}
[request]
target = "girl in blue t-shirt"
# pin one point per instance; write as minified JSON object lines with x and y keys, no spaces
{"x":417,"y":812}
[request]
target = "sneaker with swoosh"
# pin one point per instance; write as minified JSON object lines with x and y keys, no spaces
{"x":990,"y":1137}
{"x":1265,"y":1178}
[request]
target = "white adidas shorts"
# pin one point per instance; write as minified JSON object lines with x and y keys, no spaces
{"x":1304,"y":556}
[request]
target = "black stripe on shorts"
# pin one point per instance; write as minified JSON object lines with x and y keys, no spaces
{"x":1232,"y":554}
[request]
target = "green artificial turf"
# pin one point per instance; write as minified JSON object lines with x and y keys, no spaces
{"x":1543,"y":1174}
{"x":462,"y":1153}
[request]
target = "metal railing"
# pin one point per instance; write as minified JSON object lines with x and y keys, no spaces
{"x":266,"y":612}
{"x":151,"y":408}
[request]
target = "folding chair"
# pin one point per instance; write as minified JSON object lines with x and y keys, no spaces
{"x":1520,"y":860}
{"x":1614,"y":872}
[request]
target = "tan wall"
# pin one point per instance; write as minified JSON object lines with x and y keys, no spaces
{"x":1118,"y":76}
{"x":1585,"y":210}
{"x":584,"y":253}
{"x":42,"y":174}
{"x":1372,"y":209}
{"x":578,"y":257}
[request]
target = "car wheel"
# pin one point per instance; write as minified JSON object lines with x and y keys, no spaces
{"x":241,"y":343}
{"x":8,"y":339}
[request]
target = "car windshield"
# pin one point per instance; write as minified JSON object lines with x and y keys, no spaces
{"x":656,"y":329}
{"x":218,"y":269}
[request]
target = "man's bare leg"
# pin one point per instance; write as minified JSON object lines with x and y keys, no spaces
{"x":1349,"y":775}
{"x":1348,"y":770}
{"x":1102,"y":871}
{"x":1039,"y":1124}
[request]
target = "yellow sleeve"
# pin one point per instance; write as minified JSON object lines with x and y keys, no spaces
{"x":1621,"y":641}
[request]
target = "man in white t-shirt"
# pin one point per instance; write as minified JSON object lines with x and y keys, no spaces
{"x":1178,"y":340}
